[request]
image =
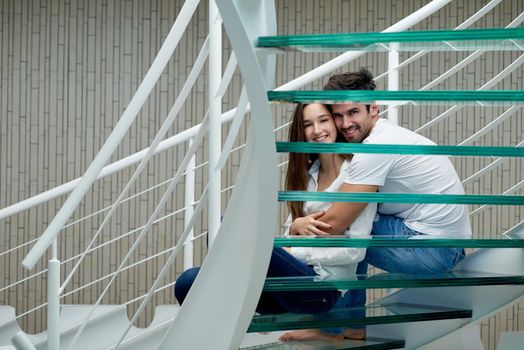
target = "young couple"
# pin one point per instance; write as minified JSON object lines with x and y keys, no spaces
{"x":358,"y":123}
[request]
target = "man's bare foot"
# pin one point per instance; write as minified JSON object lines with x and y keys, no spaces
{"x":310,"y":334}
{"x":353,"y":333}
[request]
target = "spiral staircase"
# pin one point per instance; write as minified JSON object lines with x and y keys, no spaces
{"x":423,"y":311}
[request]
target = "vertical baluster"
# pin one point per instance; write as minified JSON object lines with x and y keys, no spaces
{"x":215,"y":110}
{"x":53,"y":299}
{"x":393,"y":81}
{"x":189,"y":199}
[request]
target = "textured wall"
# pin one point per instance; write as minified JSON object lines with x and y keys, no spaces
{"x":68,"y":69}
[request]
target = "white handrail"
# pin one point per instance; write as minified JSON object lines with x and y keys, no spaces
{"x":468,"y":22}
{"x":116,"y":135}
{"x":188,"y":134}
{"x":168,"y":122}
{"x":168,"y":263}
{"x":183,"y":165}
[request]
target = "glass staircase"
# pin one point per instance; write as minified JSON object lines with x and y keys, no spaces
{"x":371,"y":314}
{"x":436,"y":40}
{"x":395,"y":311}
{"x":368,"y":344}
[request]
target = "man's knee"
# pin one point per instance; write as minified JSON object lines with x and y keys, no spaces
{"x":184,"y":282}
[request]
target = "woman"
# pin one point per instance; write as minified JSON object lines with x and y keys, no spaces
{"x":311,"y":172}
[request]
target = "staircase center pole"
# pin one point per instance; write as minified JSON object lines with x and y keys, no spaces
{"x":53,"y":299}
{"x":215,"y":111}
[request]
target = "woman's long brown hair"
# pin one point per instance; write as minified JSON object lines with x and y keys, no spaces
{"x":299,"y":163}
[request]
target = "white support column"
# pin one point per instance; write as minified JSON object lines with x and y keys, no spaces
{"x":393,"y":81}
{"x":189,"y":199}
{"x":215,"y":111}
{"x":53,"y":300}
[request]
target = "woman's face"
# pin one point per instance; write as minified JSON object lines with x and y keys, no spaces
{"x":319,"y":125}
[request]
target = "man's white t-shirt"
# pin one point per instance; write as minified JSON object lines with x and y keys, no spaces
{"x":400,"y":173}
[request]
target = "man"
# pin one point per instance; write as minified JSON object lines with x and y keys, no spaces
{"x":360,"y":123}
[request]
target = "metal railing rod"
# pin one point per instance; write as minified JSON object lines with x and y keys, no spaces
{"x":511,"y":190}
{"x":170,"y":260}
{"x":488,"y":168}
{"x":162,"y":202}
{"x":196,"y":167}
{"x":496,"y":79}
{"x":116,"y":135}
{"x":168,"y":122}
{"x":233,"y":129}
{"x":124,"y":235}
{"x":100,"y":279}
{"x":228,"y":75}
{"x":508,"y":113}
{"x":188,"y":134}
{"x":100,"y":246}
{"x":468,"y":22}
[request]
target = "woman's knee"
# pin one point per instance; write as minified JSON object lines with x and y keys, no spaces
{"x":184,"y":282}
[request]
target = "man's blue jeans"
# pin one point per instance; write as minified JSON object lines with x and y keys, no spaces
{"x":403,"y":260}
{"x":282,"y":264}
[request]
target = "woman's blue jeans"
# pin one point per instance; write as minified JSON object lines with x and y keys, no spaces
{"x":282,"y":264}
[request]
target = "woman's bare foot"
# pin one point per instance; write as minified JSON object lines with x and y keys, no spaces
{"x":310,"y":334}
{"x":354,"y":333}
{"x":317,"y":334}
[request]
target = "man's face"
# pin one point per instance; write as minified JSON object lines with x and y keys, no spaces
{"x":354,"y":121}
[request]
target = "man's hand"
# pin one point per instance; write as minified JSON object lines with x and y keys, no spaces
{"x":309,"y":225}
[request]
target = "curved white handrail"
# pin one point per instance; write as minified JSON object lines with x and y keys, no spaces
{"x":183,"y":165}
{"x":115,"y":137}
{"x":226,"y":322}
{"x":172,"y":115}
{"x":188,"y":134}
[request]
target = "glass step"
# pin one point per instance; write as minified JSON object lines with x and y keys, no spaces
{"x":390,"y":280}
{"x":347,"y":344}
{"x":496,"y":39}
{"x":395,"y":241}
{"x":463,"y":97}
{"x":372,"y":314}
{"x":385,"y":197}
{"x":345,"y":148}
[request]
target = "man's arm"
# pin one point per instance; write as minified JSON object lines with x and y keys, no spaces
{"x":342,"y":214}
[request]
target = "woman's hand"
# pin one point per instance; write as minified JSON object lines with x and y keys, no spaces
{"x":309,"y":225}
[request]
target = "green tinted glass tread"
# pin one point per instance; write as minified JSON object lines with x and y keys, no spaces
{"x":347,"y":344}
{"x":441,"y":40}
{"x":400,"y":241}
{"x":340,"y":96}
{"x":345,"y":148}
{"x":372,"y":314}
{"x":390,"y":280}
{"x":384,"y":197}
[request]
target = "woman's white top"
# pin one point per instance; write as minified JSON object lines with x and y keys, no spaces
{"x":333,"y":260}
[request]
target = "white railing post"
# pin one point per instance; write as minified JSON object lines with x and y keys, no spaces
{"x":393,"y":81}
{"x":53,"y":299}
{"x":215,"y":111}
{"x":189,"y":199}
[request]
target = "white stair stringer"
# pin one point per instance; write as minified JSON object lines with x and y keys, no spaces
{"x":102,"y":331}
{"x":484,"y":301}
{"x":219,"y":307}
{"x":151,"y":336}
{"x":8,"y":325}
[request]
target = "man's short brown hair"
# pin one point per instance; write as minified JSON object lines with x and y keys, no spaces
{"x":361,"y":80}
